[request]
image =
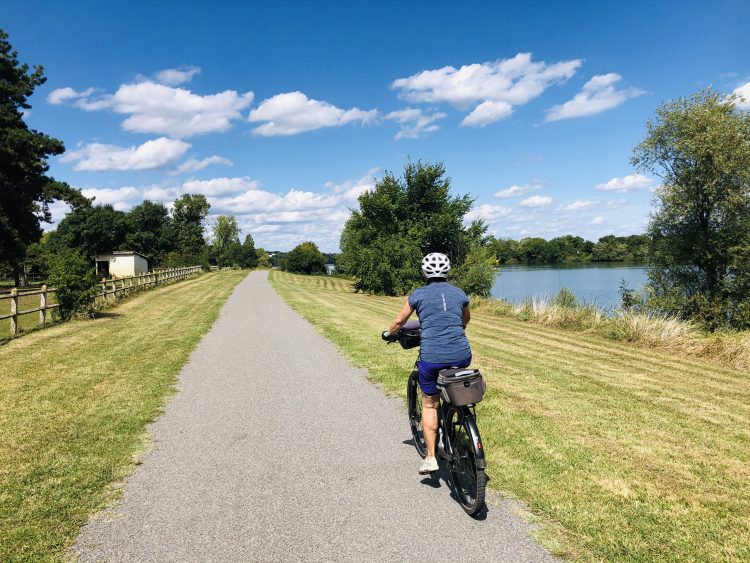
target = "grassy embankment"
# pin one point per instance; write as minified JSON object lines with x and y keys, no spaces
{"x":627,"y":453}
{"x":74,"y":403}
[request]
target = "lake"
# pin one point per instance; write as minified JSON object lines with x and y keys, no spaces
{"x":597,"y":284}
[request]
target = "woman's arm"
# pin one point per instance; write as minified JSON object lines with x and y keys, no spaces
{"x":465,"y":316}
{"x":401,"y":318}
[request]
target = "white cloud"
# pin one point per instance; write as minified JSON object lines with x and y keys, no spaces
{"x":536,"y":201}
{"x":516,"y":81}
{"x":743,"y":91}
{"x":220,"y":186}
{"x":294,"y":112}
{"x":487,"y":112}
{"x":615,"y":203}
{"x":193,"y":164}
{"x":121,"y":199}
{"x":414,"y":123}
{"x":630,"y":183}
{"x":156,"y":108}
{"x":597,"y":220}
{"x":153,"y":154}
{"x":516,"y":190}
{"x":598,"y":94}
{"x":487,"y":212}
{"x":579,"y":204}
{"x":490,"y":89}
{"x":61,"y":95}
{"x":352,"y":189}
{"x":175,"y":76}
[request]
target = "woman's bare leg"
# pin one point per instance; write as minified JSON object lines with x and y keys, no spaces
{"x":430,"y":422}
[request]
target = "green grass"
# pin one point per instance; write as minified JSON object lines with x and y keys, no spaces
{"x":74,"y":403}
{"x":628,"y":453}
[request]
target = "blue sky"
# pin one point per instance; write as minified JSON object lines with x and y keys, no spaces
{"x":282,"y":113}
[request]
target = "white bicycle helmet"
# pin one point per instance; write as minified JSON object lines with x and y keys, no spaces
{"x":435,"y":265}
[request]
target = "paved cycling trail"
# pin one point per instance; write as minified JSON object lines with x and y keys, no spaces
{"x":276,"y":449}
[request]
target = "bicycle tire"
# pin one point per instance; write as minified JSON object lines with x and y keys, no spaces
{"x":414,"y":405}
{"x":469,"y":481}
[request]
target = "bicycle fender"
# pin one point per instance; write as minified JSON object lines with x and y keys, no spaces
{"x":478,"y":446}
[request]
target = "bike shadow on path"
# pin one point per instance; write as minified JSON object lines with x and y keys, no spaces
{"x":442,"y":474}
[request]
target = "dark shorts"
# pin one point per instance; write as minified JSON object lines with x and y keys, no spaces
{"x":428,"y":374}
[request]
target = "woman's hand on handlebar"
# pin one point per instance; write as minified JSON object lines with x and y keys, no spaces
{"x":389,"y":337}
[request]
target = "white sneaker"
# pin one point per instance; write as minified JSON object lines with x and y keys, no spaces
{"x":429,"y":465}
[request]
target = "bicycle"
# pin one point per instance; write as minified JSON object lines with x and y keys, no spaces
{"x":459,"y":443}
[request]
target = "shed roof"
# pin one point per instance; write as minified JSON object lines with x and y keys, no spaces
{"x":123,"y":253}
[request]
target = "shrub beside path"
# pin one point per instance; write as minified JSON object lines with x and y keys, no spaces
{"x":276,"y":448}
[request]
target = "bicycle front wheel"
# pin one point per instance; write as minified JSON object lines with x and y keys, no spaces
{"x":414,"y":404}
{"x":469,"y":480}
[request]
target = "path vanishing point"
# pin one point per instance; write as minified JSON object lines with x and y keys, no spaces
{"x":276,"y":448}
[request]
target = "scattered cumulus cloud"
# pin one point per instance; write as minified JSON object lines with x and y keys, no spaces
{"x":121,"y":199}
{"x":352,"y":189}
{"x":536,"y":201}
{"x":220,"y":186}
{"x":194,"y":164}
{"x":161,"y":109}
{"x":175,"y":76}
{"x":487,"y":212}
{"x":157,"y":153}
{"x":598,"y":220}
{"x":630,"y":183}
{"x":489,"y":89}
{"x":578,"y":205}
{"x":516,"y":191}
{"x":414,"y":122}
{"x":598,"y":94}
{"x":616,"y":203}
{"x":744,"y":92}
{"x":487,"y":112}
{"x":293,"y":112}
{"x":62,"y":95}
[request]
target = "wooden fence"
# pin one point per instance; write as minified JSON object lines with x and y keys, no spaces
{"x":109,"y":287}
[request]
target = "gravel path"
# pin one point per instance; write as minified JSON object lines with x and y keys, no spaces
{"x":277,"y":449}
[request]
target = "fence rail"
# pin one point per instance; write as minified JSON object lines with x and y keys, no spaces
{"x":113,"y":286}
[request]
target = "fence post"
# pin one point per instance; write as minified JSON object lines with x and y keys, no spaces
{"x":43,"y":306}
{"x":14,"y":311}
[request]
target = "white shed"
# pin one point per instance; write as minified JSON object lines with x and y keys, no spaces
{"x":121,"y":263}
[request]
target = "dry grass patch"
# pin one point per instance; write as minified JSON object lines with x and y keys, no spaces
{"x":74,"y":403}
{"x":635,"y":453}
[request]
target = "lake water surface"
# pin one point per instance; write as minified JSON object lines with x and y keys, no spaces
{"x":597,"y":284}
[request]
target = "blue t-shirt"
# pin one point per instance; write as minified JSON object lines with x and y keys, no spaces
{"x":439,"y":306}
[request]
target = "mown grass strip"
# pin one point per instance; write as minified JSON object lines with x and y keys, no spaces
{"x":74,"y":403}
{"x":631,"y":453}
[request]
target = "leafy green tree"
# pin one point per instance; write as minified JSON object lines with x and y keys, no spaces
{"x":150,"y":231}
{"x":533,"y":250}
{"x":74,"y":276}
{"x":25,"y":189}
{"x":476,"y":275}
{"x":504,"y":249}
{"x":305,"y":258}
{"x":400,"y":221}
{"x":249,"y":254}
{"x":91,"y":231}
{"x":263,"y":260}
{"x":700,"y":230}
{"x":189,"y":215}
{"x":226,"y":232}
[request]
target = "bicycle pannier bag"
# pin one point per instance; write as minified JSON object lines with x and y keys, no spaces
{"x":461,"y":386}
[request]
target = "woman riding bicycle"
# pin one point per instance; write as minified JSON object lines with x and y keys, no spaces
{"x":443,"y":311}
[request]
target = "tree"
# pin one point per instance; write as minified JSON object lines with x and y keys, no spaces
{"x":190,"y":212}
{"x":305,"y":258}
{"x":263,"y":260}
{"x":700,"y":230}
{"x":476,"y":275}
{"x":150,"y":231}
{"x":532,"y":250}
{"x":25,"y":189}
{"x":74,"y":275}
{"x":91,"y":231}
{"x":249,"y":254}
{"x":400,"y":221}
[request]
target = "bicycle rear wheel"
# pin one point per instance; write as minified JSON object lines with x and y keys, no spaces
{"x":414,"y":404}
{"x":469,"y":481}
